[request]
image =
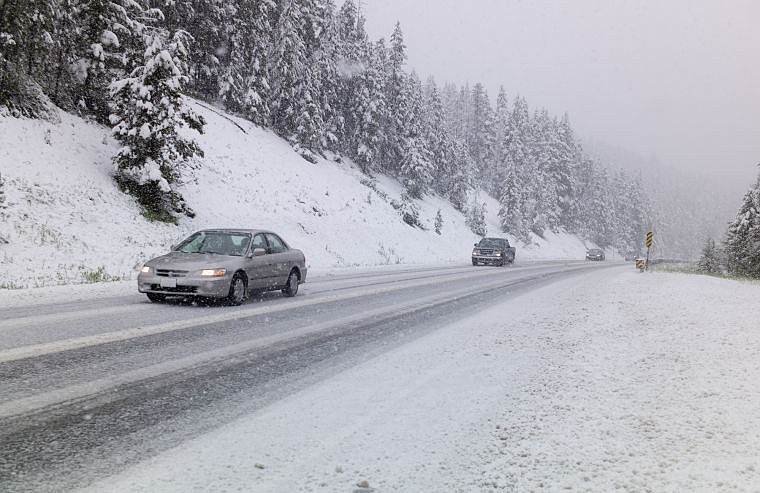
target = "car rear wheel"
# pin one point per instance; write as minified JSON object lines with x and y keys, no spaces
{"x":237,"y":290}
{"x":156,"y":297}
{"x":291,"y":288}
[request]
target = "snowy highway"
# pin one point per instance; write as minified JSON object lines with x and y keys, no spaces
{"x":545,"y":376}
{"x":91,"y":386}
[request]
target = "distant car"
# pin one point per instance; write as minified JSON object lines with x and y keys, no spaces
{"x":225,"y":264}
{"x":595,"y":254}
{"x":494,"y":251}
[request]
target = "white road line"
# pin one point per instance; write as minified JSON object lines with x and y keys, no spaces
{"x":84,"y":390}
{"x":38,"y":350}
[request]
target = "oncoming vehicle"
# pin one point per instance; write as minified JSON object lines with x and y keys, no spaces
{"x":494,"y":251}
{"x":595,"y":254}
{"x":226,"y":264}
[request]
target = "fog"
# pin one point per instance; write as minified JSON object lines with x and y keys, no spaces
{"x":675,"y":82}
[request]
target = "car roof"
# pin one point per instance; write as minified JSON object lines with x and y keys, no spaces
{"x":235,"y":230}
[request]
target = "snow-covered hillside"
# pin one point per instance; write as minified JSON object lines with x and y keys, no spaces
{"x":64,"y":220}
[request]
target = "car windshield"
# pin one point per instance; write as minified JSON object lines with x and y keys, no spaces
{"x":490,"y":243}
{"x":594,"y":250}
{"x":216,"y":242}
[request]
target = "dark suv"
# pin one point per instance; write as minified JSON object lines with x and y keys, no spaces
{"x":494,"y":251}
{"x":595,"y":254}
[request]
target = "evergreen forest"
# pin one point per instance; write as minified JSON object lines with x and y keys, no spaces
{"x":308,"y":71}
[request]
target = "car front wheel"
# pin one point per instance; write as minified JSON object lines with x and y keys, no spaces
{"x":291,"y":288}
{"x":237,"y":290}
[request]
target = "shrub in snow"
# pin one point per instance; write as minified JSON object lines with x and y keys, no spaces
{"x":3,"y":205}
{"x":711,"y":260}
{"x":476,"y":219}
{"x":438,"y":222}
{"x":147,"y":113}
{"x":408,"y":210}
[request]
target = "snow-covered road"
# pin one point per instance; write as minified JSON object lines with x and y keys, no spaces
{"x":615,"y":380}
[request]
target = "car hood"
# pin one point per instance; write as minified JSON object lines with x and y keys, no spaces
{"x":193,"y":261}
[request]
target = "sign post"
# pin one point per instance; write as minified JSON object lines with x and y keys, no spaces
{"x":650,"y":237}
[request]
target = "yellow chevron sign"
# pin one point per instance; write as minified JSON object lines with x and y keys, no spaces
{"x":640,"y":263}
{"x":650,"y":236}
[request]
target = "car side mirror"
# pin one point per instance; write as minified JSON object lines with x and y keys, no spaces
{"x":258,"y":252}
{"x":474,"y":244}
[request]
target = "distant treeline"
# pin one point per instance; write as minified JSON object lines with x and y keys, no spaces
{"x":310,"y":73}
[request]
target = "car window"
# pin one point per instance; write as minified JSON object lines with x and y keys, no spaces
{"x":239,"y":243}
{"x":191,"y":244}
{"x":259,"y":242}
{"x":276,"y":245}
{"x":489,"y":243}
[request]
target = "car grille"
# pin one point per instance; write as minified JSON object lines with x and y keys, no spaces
{"x":171,"y":273}
{"x":178,"y":289}
{"x":485,"y":251}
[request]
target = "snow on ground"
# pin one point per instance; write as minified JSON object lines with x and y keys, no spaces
{"x":65,"y":222}
{"x":616,"y":380}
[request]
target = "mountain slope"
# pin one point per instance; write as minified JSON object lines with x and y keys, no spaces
{"x":65,"y":221}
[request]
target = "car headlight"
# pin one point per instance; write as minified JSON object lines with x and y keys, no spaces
{"x":213,"y":272}
{"x":497,"y":253}
{"x":474,"y":252}
{"x":145,"y":269}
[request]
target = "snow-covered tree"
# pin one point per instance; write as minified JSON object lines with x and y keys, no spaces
{"x":105,"y":26}
{"x":710,"y":262}
{"x":742,"y":244}
{"x":211,"y":23}
{"x":244,"y":81}
{"x":495,"y":138}
{"x":147,"y":113}
{"x":460,"y":179}
{"x":517,"y":197}
{"x":478,"y":130}
{"x":438,"y":224}
{"x":397,"y":90}
{"x":27,"y":44}
{"x":3,"y":205}
{"x":437,"y":138}
{"x":416,"y":168}
{"x":476,"y":218}
{"x":367,"y":138}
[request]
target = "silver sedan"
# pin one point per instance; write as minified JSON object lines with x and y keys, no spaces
{"x":226,"y":264}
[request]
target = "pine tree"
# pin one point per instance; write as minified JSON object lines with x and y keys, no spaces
{"x":244,"y":81}
{"x":476,"y":218}
{"x":353,"y":54}
{"x":742,"y":245}
{"x":438,"y":225}
{"x":495,"y":145}
{"x":516,"y":201}
{"x":710,"y":261}
{"x":3,"y":204}
{"x":147,"y":114}
{"x":478,"y":129}
{"x":416,"y":167}
{"x":437,"y":138}
{"x":27,"y":44}
{"x":367,"y":138}
{"x":460,"y":181}
{"x":398,"y":111}
{"x":211,"y":23}
{"x":106,"y":25}
{"x":296,"y":113}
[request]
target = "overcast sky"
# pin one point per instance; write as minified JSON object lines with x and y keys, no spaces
{"x":676,"y":79}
